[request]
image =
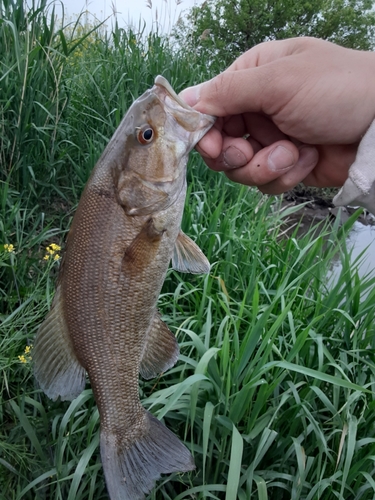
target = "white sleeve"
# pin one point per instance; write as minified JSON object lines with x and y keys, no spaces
{"x":359,"y":189}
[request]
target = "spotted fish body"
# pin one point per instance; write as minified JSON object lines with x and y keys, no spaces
{"x":103,"y":319}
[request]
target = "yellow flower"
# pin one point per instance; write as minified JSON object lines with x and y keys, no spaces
{"x":26,"y":357}
{"x":51,"y":250}
{"x":9,"y":247}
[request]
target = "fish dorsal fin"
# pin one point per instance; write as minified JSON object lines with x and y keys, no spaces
{"x":188,"y":257}
{"x":56,"y":366}
{"x":160,"y":351}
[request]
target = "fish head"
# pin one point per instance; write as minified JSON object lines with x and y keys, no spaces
{"x":156,"y":137}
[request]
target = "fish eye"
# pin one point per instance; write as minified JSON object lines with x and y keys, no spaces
{"x":145,"y":134}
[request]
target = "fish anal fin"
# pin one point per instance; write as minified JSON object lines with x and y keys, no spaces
{"x":188,"y":257}
{"x":131,"y":469}
{"x":160,"y":351}
{"x":56,"y":367}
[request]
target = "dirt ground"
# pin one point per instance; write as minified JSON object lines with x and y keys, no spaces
{"x":319,"y":206}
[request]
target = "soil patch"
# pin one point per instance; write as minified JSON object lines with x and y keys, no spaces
{"x":319,"y":206}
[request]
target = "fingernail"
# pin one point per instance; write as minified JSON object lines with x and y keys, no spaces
{"x":308,"y":155}
{"x":191,"y":95}
{"x":280,"y":159}
{"x":202,"y":153}
{"x":234,"y":158}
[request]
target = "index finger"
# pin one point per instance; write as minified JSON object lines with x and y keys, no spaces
{"x":265,"y":53}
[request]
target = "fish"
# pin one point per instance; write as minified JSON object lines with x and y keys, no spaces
{"x":104,"y":320}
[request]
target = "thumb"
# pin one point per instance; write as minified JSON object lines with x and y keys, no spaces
{"x":230,"y":93}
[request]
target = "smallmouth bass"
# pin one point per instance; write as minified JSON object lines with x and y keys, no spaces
{"x":103,"y":318}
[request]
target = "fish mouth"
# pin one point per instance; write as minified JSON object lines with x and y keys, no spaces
{"x":163,"y":82}
{"x":194,"y":122}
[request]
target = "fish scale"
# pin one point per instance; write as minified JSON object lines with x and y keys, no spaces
{"x":104,"y":318}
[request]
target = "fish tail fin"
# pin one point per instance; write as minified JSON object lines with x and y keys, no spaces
{"x":131,"y":469}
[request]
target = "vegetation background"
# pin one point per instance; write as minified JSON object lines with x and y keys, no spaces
{"x":274,"y":391}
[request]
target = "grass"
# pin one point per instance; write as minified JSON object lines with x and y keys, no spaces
{"x":274,"y":390}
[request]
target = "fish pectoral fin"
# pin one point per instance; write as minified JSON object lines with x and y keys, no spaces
{"x":143,"y":249}
{"x":132,"y":467}
{"x":188,"y":257}
{"x":160,"y":351}
{"x":56,"y":366}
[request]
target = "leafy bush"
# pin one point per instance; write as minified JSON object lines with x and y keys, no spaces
{"x":221,"y":30}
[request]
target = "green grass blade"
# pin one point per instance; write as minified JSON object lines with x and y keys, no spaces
{"x":234,"y":465}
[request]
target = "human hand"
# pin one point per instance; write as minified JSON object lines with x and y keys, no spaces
{"x":304,"y":104}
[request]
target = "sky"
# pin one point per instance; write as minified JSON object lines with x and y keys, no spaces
{"x":131,"y":11}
